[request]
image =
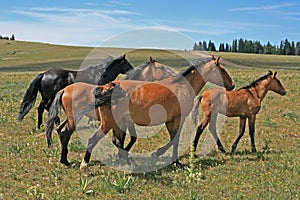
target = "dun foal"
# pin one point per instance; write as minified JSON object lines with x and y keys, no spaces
{"x":244,"y":103}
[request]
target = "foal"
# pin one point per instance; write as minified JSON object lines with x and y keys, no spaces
{"x":244,"y":103}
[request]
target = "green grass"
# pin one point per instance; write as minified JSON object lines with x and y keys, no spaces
{"x":30,"y":170}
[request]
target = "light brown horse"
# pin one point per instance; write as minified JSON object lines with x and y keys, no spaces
{"x":168,"y":101}
{"x":244,"y":103}
{"x":77,"y":95}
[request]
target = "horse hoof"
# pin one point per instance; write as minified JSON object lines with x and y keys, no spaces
{"x":84,"y":167}
{"x":178,"y":164}
{"x":222,"y":149}
{"x":154,"y":155}
{"x":66,"y":163}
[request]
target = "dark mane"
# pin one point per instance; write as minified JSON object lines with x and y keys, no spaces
{"x":134,"y":73}
{"x":195,"y":65}
{"x":167,"y":69}
{"x":255,"y":83}
{"x":102,"y":66}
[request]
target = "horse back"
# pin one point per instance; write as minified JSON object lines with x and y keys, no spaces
{"x":241,"y":103}
{"x":54,"y":80}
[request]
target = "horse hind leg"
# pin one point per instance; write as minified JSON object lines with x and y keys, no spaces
{"x":61,"y":126}
{"x":200,"y":129}
{"x":213,"y":130}
{"x":65,"y":131}
{"x":47,"y":107}
{"x":64,"y":137}
{"x":41,"y":108}
{"x":241,"y":133}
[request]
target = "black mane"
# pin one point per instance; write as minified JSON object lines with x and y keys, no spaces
{"x":255,"y":83}
{"x":192,"y":67}
{"x":134,"y":73}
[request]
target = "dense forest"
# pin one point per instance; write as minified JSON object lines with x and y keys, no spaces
{"x":249,"y":46}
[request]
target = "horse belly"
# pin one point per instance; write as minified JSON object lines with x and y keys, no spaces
{"x":150,"y":116}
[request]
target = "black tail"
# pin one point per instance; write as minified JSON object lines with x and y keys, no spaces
{"x":195,"y":111}
{"x":52,"y":115}
{"x":30,"y":96}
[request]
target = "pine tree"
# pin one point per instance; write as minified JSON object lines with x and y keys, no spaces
{"x":234,"y":46}
{"x":195,"y":47}
{"x":12,"y":37}
{"x":297,"y":50}
{"x":204,"y":46}
{"x":227,"y":48}
{"x":221,"y":47}
{"x":268,"y":49}
{"x":211,"y":46}
{"x":241,"y":46}
{"x":288,"y":47}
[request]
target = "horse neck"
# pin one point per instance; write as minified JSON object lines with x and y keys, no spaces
{"x":146,"y":74}
{"x":196,"y":81}
{"x":262,"y":88}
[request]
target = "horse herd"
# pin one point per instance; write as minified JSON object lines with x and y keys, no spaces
{"x":149,"y":95}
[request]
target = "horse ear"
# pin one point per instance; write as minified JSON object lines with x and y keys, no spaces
{"x":213,"y":57}
{"x":275,"y":74}
{"x":217,"y":60}
{"x":151,"y":59}
{"x":124,"y":56}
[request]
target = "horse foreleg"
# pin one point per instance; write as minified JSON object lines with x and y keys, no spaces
{"x":118,"y":140}
{"x":251,"y":123}
{"x":132,"y":132}
{"x":174,"y":129}
{"x":98,"y":134}
{"x":213,"y":130}
{"x":241,"y":133}
{"x":41,"y":108}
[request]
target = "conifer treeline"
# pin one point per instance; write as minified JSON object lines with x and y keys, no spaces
{"x":250,"y":46}
{"x":7,"y":38}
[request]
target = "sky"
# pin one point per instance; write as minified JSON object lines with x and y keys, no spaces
{"x":94,"y":23}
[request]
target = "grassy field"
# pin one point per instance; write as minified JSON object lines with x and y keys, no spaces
{"x":30,"y":170}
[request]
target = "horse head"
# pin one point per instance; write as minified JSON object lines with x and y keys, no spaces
{"x":218,"y":74}
{"x":275,"y":85}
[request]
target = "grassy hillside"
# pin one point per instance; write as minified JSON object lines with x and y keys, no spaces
{"x":30,"y":170}
{"x":31,"y":56}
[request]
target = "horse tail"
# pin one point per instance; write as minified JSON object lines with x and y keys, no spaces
{"x":52,"y":115}
{"x":30,"y":96}
{"x":195,"y":111}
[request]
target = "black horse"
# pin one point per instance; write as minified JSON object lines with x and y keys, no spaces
{"x":53,"y":80}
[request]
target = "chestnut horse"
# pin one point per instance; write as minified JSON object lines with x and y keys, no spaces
{"x":244,"y":103}
{"x":149,"y":71}
{"x":167,"y":101}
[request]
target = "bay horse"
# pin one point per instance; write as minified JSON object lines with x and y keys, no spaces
{"x":244,"y":103}
{"x":50,"y":82}
{"x":74,"y":100}
{"x":167,"y":101}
